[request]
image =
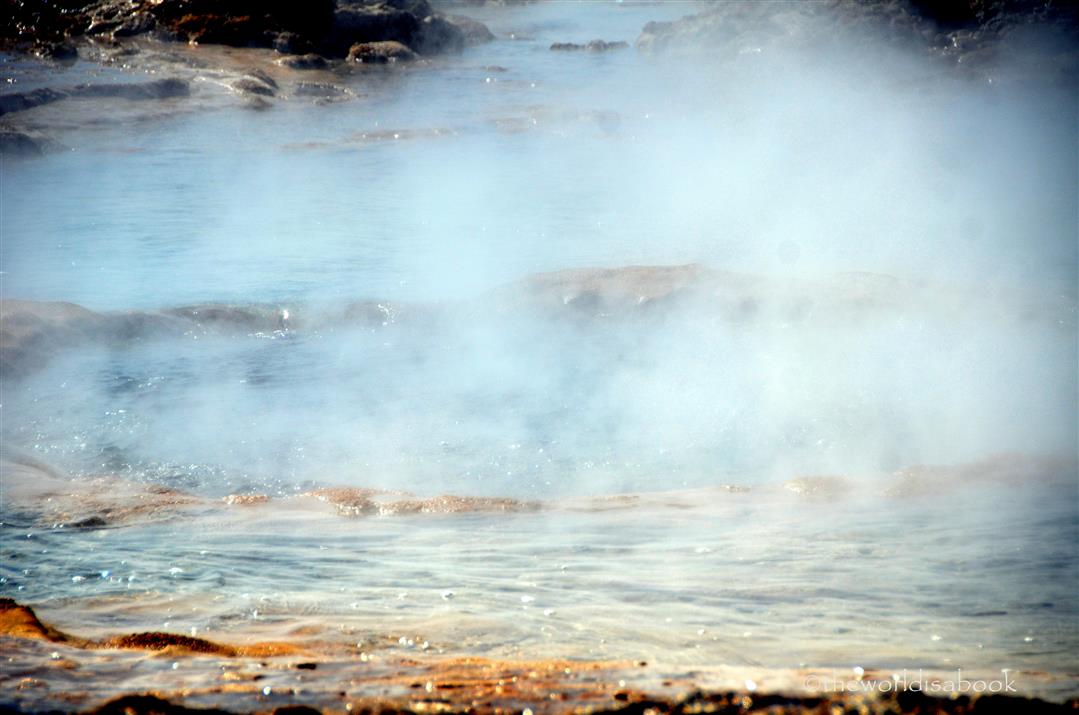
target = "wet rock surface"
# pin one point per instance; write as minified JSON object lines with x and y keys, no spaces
{"x":135,"y":91}
{"x":380,"y":53}
{"x":326,"y":26}
{"x":967,"y":36}
{"x":16,"y":143}
{"x":32,"y":332}
{"x":592,"y":46}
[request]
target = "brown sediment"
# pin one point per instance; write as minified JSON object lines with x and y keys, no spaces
{"x":1007,"y":469}
{"x":472,"y":685}
{"x":245,"y":499}
{"x":171,"y":641}
{"x":450,"y":504}
{"x":350,"y":501}
{"x":18,"y":621}
{"x":819,"y":486}
{"x":357,"y":501}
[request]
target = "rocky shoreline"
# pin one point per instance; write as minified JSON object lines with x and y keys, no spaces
{"x":327,"y":27}
{"x":311,"y":51}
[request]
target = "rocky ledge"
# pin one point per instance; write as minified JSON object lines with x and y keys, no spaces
{"x":326,"y":28}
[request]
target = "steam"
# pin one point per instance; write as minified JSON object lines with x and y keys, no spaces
{"x":793,"y":165}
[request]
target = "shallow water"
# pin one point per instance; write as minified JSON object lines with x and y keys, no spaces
{"x":439,"y":184}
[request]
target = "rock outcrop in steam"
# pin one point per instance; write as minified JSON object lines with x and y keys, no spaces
{"x":327,"y":27}
{"x":967,"y":35}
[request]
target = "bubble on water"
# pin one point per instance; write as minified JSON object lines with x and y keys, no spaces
{"x":527,"y":599}
{"x":751,"y":685}
{"x":447,"y":595}
{"x":78,"y":579}
{"x":175,"y":570}
{"x":934,"y":637}
{"x":267,"y":690}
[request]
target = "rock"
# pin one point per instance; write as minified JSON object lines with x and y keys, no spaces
{"x":327,"y":27}
{"x":592,"y":46}
{"x":320,"y":90}
{"x":262,"y":76}
{"x":157,"y":89}
{"x":380,"y":53}
{"x":436,"y":35}
{"x":16,"y":143}
{"x":248,"y":85}
{"x":244,"y":23}
{"x":173,"y":642}
{"x":290,"y":43}
{"x":309,"y":61}
{"x":257,"y":83}
{"x":32,"y":331}
{"x":352,"y":26}
{"x":21,"y":101}
{"x":63,"y":51}
{"x":138,"y":24}
{"x":949,"y":30}
{"x":474,"y":32}
{"x":21,"y":622}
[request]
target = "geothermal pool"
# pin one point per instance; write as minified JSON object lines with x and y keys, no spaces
{"x":349,"y":375}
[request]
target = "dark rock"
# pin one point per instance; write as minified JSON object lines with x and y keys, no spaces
{"x":437,"y":34}
{"x":150,"y":705}
{"x":304,"y":62}
{"x":91,"y":522}
{"x":289,"y":43}
{"x":15,"y":143}
{"x":158,"y":89}
{"x":352,"y":25}
{"x":473,"y":31}
{"x":319,"y":90}
{"x":62,"y":51}
{"x":964,"y":33}
{"x":244,"y":23}
{"x":249,"y":85}
{"x":262,"y":76}
{"x":593,"y":46}
{"x":380,"y":53}
{"x":138,"y":24}
{"x":291,"y":27}
{"x":419,"y":8}
{"x":21,"y":101}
